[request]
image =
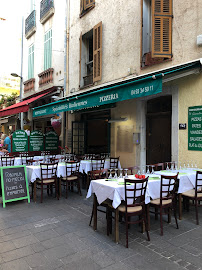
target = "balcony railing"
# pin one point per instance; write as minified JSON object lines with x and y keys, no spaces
{"x":29,"y":85}
{"x":46,"y":10}
{"x":46,"y":77}
{"x":30,"y":24}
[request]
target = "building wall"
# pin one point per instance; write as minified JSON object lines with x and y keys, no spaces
{"x":190,"y":94}
{"x":122,"y":37}
{"x":57,"y":23}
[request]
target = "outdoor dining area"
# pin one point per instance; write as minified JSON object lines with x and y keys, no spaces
{"x":123,"y":195}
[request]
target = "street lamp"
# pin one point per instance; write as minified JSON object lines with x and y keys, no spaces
{"x":20,"y":76}
{"x":20,"y":114}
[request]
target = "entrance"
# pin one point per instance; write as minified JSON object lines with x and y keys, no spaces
{"x":158,"y":130}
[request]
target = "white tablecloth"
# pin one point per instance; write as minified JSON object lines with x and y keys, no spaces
{"x":86,"y":166}
{"x":111,"y":189}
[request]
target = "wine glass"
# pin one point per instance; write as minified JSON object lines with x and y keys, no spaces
{"x":110,"y":175}
{"x":115,"y":174}
{"x":148,"y":171}
{"x":121,"y":173}
{"x":167,"y":168}
{"x":152,"y":169}
{"x":172,"y":166}
{"x":126,"y":172}
{"x":143,"y":170}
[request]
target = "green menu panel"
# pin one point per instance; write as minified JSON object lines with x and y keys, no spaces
{"x":195,"y":128}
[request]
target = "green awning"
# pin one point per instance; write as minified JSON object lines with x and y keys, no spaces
{"x":125,"y":91}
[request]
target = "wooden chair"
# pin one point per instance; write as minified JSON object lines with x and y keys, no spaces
{"x":72,"y":177}
{"x":194,"y":194}
{"x":167,"y":199}
{"x":134,"y":204}
{"x":7,"y":161}
{"x":114,"y":162}
{"x":96,"y":175}
{"x":26,"y":158}
{"x":48,"y":178}
{"x":97,"y":163}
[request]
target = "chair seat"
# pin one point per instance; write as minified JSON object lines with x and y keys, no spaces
{"x":191,"y":194}
{"x":69,"y":178}
{"x":134,"y":209}
{"x":164,"y":202}
{"x":49,"y":181}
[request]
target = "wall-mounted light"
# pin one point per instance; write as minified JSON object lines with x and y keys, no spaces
{"x":121,"y":119}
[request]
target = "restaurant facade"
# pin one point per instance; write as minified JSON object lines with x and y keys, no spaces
{"x":131,"y":85}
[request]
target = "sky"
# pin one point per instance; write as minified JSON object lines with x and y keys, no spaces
{"x":10,"y":35}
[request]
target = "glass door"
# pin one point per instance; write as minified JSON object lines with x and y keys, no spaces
{"x":78,"y":138}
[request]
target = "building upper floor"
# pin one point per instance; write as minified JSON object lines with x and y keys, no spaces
{"x":110,"y":40}
{"x":43,"y":54}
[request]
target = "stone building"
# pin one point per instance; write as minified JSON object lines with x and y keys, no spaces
{"x":133,"y":71}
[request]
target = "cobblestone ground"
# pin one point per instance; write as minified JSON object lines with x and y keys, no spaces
{"x":56,"y":235}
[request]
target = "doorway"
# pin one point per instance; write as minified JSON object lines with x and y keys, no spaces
{"x":158,"y":130}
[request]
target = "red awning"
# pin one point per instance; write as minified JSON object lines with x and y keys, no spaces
{"x":22,"y":106}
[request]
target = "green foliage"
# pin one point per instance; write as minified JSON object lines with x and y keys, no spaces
{"x":8,"y":100}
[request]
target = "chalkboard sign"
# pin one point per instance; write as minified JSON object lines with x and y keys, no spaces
{"x":14,"y":184}
{"x":195,"y":128}
{"x":51,"y":141}
{"x":20,"y":141}
{"x":36,"y":141}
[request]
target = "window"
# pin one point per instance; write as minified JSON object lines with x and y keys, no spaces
{"x":48,"y":49}
{"x":91,"y":56}
{"x":86,"y":5}
{"x":31,"y":62}
{"x":156,"y":31}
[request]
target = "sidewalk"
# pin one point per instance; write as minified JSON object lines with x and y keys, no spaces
{"x":56,"y":235}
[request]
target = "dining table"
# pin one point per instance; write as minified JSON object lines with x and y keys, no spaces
{"x":114,"y":190}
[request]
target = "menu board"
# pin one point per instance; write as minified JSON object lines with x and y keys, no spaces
{"x":20,"y":141}
{"x":195,"y":128}
{"x":51,"y":141}
{"x":36,"y":141}
{"x":14,"y":184}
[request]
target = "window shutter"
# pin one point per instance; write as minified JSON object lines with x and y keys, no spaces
{"x":88,"y":3}
{"x":162,"y":28}
{"x":97,"y":52}
{"x":81,"y":6}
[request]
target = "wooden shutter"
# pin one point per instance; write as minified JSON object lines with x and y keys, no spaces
{"x":97,"y":52}
{"x":80,"y":41}
{"x":88,"y":3}
{"x":162,"y":28}
{"x":81,"y":6}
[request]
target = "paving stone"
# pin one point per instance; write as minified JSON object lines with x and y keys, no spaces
{"x":59,"y":252}
{"x":36,"y":260}
{"x":25,"y":241}
{"x":6,"y":246}
{"x":19,"y":264}
{"x":42,"y":236}
{"x":17,"y":253}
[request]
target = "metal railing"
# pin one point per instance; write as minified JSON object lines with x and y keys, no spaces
{"x":30,"y":22}
{"x":45,"y":6}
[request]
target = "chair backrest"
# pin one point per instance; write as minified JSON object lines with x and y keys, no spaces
{"x":97,"y":163}
{"x":114,"y":162}
{"x":198,"y":185}
{"x":159,"y":166}
{"x":7,"y":161}
{"x":135,"y":191}
{"x":132,"y":170}
{"x":98,"y":174}
{"x":168,"y":187}
{"x":72,"y":168}
{"x":48,"y":170}
{"x":25,"y":158}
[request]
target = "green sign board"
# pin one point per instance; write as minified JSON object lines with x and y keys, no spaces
{"x":36,"y":141}
{"x":195,"y":128}
{"x":20,"y":141}
{"x":14,"y":184}
{"x":129,"y":90}
{"x":51,"y":141}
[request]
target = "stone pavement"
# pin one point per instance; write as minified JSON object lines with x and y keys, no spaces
{"x":56,"y":235}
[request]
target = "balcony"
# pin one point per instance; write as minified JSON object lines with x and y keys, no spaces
{"x":29,"y":85}
{"x":46,"y":10}
{"x":30,"y":24}
{"x":46,"y":77}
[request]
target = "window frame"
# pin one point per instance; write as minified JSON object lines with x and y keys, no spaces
{"x":31,"y":61}
{"x":85,"y":9}
{"x":48,"y":49}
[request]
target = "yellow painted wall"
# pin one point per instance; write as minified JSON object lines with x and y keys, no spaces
{"x":124,"y":109}
{"x":8,"y":91}
{"x":190,"y":94}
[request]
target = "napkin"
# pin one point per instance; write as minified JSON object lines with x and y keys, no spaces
{"x":154,"y":178}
